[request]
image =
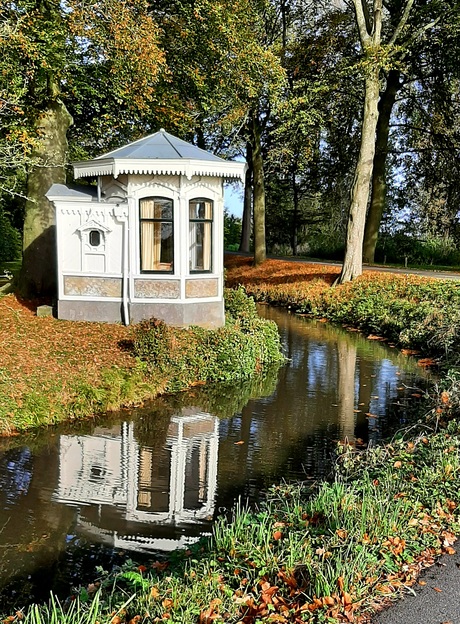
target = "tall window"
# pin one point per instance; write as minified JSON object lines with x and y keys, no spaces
{"x":157,"y":234}
{"x":200,"y":216}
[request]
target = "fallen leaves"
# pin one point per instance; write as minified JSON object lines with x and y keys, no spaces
{"x":54,"y":355}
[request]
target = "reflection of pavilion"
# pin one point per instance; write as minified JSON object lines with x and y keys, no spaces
{"x":126,"y":488}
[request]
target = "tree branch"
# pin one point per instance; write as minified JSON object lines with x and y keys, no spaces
{"x":362,"y":22}
{"x":377,"y":29}
{"x":402,"y":22}
{"x":367,"y":15}
{"x":423,"y":29}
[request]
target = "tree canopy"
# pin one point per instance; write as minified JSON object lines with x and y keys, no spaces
{"x":348,"y":111}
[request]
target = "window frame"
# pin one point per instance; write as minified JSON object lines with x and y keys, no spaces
{"x":161,"y":221}
{"x":211,"y":221}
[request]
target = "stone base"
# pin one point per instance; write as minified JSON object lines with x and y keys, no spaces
{"x":100,"y":311}
{"x":205,"y":314}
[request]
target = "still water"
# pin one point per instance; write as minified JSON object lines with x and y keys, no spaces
{"x":153,"y":479}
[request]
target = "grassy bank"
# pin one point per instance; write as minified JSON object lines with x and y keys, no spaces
{"x":331,"y":554}
{"x":412,"y":312}
{"x":53,"y":370}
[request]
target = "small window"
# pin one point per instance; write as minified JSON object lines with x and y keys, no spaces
{"x":200,"y":217}
{"x":94,"y":238}
{"x":157,"y":234}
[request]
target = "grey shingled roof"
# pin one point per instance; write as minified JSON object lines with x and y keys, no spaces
{"x":81,"y":192}
{"x":160,"y":145}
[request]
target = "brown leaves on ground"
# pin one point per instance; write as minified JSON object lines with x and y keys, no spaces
{"x":49,"y":353}
{"x":240,"y":270}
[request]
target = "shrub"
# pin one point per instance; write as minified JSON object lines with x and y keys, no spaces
{"x":243,"y":347}
{"x":429,"y":251}
{"x":238,"y":305}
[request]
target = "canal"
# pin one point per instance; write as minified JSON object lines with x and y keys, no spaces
{"x":145,"y":482}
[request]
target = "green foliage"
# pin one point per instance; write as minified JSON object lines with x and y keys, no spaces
{"x":238,"y":305}
{"x":399,"y":247}
{"x":327,"y":244}
{"x":243,"y":347}
{"x":10,"y":240}
{"x":232,"y":231}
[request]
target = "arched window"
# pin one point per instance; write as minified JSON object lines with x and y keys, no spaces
{"x":156,"y":234}
{"x":200,"y":217}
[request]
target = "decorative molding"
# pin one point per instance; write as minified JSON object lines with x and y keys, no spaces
{"x":93,"y":225}
{"x":180,"y":166}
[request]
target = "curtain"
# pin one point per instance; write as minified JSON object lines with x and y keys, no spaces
{"x":156,"y":234}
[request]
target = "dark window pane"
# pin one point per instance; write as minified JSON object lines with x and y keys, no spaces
{"x":156,"y":208}
{"x":200,"y":209}
{"x":94,"y":238}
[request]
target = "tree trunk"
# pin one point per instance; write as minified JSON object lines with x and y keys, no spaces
{"x":245,"y":243}
{"x":295,"y":216}
{"x":353,"y":262}
{"x":260,"y":252}
{"x":38,"y":275}
{"x":378,"y":192}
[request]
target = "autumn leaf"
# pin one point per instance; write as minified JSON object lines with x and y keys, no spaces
{"x":167,"y":603}
{"x":445,"y":397}
{"x":346,"y":598}
{"x":154,"y":593}
{"x":160,"y":565}
{"x":320,"y":551}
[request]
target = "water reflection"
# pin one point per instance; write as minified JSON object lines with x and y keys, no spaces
{"x":169,"y":485}
{"x":154,"y":479}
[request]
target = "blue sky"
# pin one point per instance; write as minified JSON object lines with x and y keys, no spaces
{"x":233,"y":198}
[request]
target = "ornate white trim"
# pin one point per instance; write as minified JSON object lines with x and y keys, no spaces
{"x":93,"y":225}
{"x":180,"y":166}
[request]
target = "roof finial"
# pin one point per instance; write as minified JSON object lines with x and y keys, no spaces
{"x":162,"y":130}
